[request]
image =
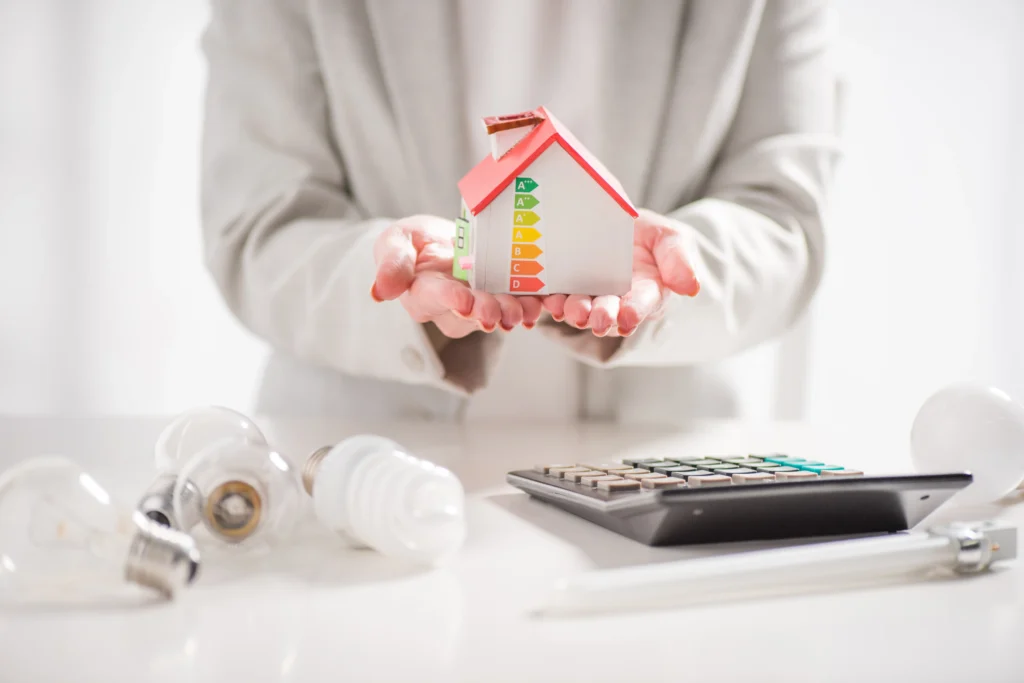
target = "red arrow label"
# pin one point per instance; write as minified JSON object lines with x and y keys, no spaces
{"x":525,"y":284}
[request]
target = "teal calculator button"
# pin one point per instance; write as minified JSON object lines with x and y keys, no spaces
{"x":819,"y":467}
{"x":781,"y":459}
{"x":806,"y":464}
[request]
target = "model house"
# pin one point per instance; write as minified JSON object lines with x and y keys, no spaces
{"x":541,"y":215}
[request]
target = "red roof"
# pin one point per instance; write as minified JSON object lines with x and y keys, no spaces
{"x":481,"y":185}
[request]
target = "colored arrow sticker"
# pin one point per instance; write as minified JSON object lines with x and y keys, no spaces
{"x":525,"y":284}
{"x":525,"y":185}
{"x":526,"y":218}
{"x":526,"y":251}
{"x":525,"y":234}
{"x":526,"y":267}
{"x":526,"y":201}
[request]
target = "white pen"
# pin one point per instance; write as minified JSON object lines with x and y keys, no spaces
{"x":964,"y":548}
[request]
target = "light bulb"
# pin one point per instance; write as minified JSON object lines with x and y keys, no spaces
{"x":62,"y":533}
{"x":970,"y":427}
{"x":244,"y":492}
{"x":371,"y":490}
{"x":218,"y":473}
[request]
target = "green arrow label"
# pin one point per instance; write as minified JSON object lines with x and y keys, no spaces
{"x":526,"y":201}
{"x":525,"y":185}
{"x":526,"y":218}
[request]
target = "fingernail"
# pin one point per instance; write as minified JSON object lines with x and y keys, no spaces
{"x":373,"y":293}
{"x":507,"y":329}
{"x":529,"y":326}
{"x":488,"y":328}
{"x":558,"y":318}
{"x":626,"y":331}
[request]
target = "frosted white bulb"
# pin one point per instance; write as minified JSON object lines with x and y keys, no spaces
{"x":370,"y":489}
{"x":194,"y":430}
{"x":969,"y":427}
{"x":241,"y":491}
{"x":63,"y":535}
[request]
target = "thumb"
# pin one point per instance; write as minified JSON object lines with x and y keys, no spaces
{"x":395,"y":256}
{"x":673,"y":263}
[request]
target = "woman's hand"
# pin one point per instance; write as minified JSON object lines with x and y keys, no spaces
{"x":660,"y":268}
{"x":414,"y":265}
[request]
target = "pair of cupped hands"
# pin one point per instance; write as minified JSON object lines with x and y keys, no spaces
{"x":414,"y":265}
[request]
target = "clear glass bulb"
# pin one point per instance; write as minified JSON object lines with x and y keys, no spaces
{"x":240,"y":491}
{"x":218,"y":473}
{"x":63,"y":535}
{"x":194,"y":430}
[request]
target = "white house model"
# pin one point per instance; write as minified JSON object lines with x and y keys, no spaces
{"x":541,"y":215}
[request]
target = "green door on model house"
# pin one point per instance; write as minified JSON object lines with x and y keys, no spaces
{"x":462,"y":246}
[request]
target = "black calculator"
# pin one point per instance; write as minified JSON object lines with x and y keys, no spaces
{"x":715,"y":499}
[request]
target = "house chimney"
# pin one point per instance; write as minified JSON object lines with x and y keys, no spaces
{"x":505,"y":131}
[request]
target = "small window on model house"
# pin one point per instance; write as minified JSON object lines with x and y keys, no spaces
{"x":461,"y":235}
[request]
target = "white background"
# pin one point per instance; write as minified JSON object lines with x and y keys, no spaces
{"x":105,"y":305}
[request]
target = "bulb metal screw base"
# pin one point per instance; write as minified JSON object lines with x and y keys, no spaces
{"x":312,"y":466}
{"x":161,"y":558}
{"x":158,"y":503}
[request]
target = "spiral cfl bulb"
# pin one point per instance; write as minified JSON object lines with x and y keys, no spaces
{"x":370,"y":490}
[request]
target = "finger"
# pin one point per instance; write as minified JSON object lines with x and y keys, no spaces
{"x":555,"y":305}
{"x":642,"y":300}
{"x":486,"y":311}
{"x":395,"y":256}
{"x":577,"y":310}
{"x":673,"y":265}
{"x":454,"y":327}
{"x":511,"y":311}
{"x":532,"y":308}
{"x":434,"y":294}
{"x":604,"y":314}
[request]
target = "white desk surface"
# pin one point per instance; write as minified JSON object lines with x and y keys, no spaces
{"x":332,"y":614}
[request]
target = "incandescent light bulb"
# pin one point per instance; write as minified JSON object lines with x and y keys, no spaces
{"x":62,"y":532}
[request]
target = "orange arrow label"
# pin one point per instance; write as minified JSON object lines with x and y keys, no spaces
{"x":525,"y":284}
{"x":526,"y":267}
{"x":526,"y":251}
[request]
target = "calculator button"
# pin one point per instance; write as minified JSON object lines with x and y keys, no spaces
{"x":594,"y":481}
{"x":748,"y":462}
{"x":560,"y":472}
{"x":662,"y":483}
{"x":648,"y":475}
{"x":737,"y":470}
{"x":842,"y":473}
{"x":700,"y":462}
{"x":780,"y":459}
{"x":777,"y":468}
{"x":800,"y":475}
{"x":695,"y":473}
{"x":607,"y":467}
{"x":661,"y":463}
{"x":820,"y":468}
{"x":713,"y":480}
{"x":678,"y":469}
{"x":576,"y":476}
{"x":546,"y":469}
{"x":619,"y":485}
{"x":640,"y":462}
{"x":753,"y":477}
{"x":635,"y":470}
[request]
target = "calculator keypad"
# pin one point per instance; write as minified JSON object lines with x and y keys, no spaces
{"x":653,"y":474}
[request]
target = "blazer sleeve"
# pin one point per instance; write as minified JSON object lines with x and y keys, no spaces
{"x":289,"y":249}
{"x":756,"y":235}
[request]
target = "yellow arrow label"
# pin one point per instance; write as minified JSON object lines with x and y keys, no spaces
{"x":525,"y":235}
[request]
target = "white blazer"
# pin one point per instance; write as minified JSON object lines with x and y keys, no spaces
{"x":327,"y":120}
